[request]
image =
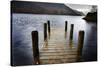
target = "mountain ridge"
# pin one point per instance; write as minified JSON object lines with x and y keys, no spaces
{"x":42,"y":8}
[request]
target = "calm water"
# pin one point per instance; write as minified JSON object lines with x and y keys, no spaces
{"x":24,"y":24}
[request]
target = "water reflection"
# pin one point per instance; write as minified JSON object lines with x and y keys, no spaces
{"x":65,"y":35}
{"x":71,"y":44}
{"x":78,"y":58}
{"x":49,"y":35}
{"x":45,"y":45}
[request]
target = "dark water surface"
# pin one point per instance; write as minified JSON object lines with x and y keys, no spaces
{"x":24,"y":24}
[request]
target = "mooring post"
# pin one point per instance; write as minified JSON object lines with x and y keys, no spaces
{"x":45,"y":31}
{"x":80,"y":42}
{"x":35,"y":47}
{"x":71,"y":31}
{"x":65,"y":26}
{"x":48,"y":26}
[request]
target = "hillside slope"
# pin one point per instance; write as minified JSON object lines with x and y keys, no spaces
{"x":91,"y":17}
{"x":42,"y":8}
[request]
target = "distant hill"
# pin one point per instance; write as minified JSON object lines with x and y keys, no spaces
{"x":78,"y":12}
{"x":91,"y":17}
{"x":42,"y":8}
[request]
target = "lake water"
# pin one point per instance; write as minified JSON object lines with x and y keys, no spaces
{"x":24,"y":24}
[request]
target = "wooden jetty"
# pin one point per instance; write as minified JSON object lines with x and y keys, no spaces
{"x":58,"y":49}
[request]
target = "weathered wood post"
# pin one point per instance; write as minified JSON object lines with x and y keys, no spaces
{"x":45,"y":31}
{"x":35,"y":47}
{"x":48,"y":26}
{"x":65,"y":26}
{"x":71,"y":31}
{"x":80,"y":42}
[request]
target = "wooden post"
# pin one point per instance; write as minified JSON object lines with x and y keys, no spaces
{"x":48,"y":26}
{"x":35,"y":47}
{"x":80,"y":42}
{"x":65,"y":29}
{"x":45,"y":31}
{"x":65,"y":26}
{"x":71,"y":31}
